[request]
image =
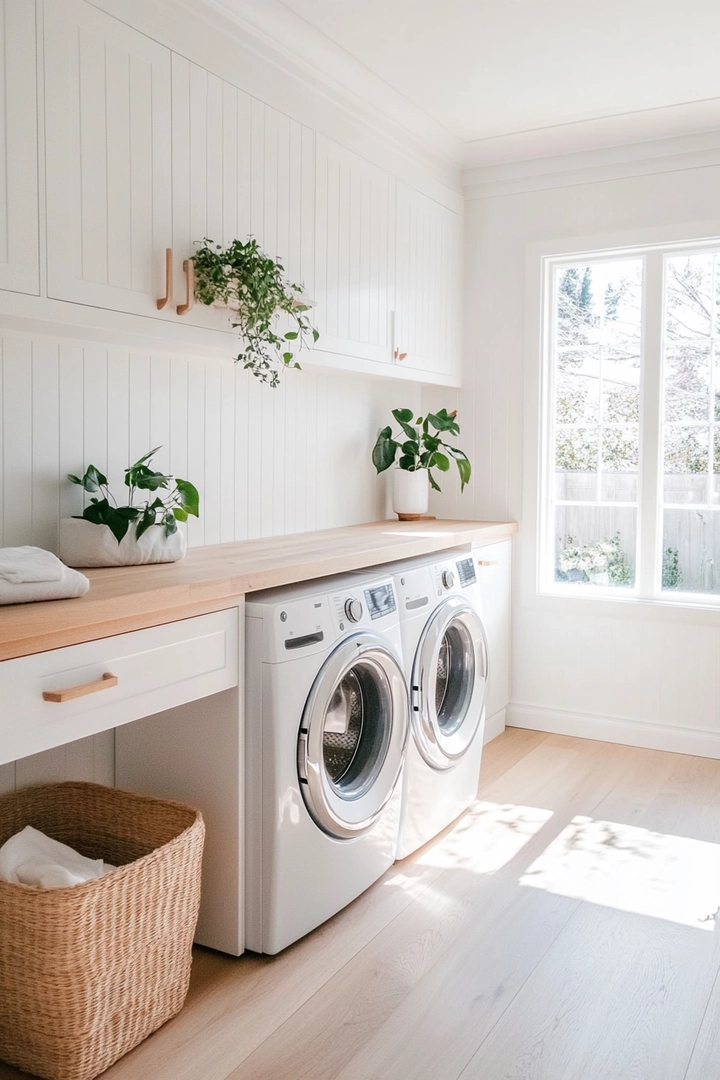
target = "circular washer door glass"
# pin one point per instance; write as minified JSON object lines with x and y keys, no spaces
{"x":356,"y":731}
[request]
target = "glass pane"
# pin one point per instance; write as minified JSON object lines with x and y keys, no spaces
{"x":620,"y":453}
{"x":686,"y":464}
{"x":687,"y":383}
{"x":691,"y":551}
{"x":576,"y":461}
{"x":716,"y":465}
{"x":577,"y":399}
{"x":621,"y":401}
{"x":688,"y":296}
{"x":600,"y":304}
{"x":595,"y":546}
{"x":579,"y":361}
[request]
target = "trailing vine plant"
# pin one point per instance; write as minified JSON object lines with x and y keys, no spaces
{"x":246,"y":280}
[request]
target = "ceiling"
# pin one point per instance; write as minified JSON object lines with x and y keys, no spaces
{"x":504,"y":80}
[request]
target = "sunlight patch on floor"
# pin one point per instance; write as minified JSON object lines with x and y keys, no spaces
{"x":632,"y":869}
{"x":486,"y":838}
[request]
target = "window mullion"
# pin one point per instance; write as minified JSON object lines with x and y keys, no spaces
{"x":649,"y":493}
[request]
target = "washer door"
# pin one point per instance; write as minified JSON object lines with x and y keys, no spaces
{"x":352,"y":736}
{"x":448,"y":683}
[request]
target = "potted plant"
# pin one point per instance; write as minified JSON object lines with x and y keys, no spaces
{"x":420,"y":451}
{"x":242,"y":278}
{"x":139,"y":532}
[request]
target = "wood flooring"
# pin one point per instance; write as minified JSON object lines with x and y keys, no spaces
{"x":563,"y":929}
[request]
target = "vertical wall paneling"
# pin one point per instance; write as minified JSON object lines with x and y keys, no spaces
{"x":354,"y":253}
{"x":428,"y":283}
{"x":19,"y":255}
{"x":196,"y":453}
{"x":108,"y":160}
{"x":45,"y":426}
{"x":72,"y":419}
{"x":17,"y":440}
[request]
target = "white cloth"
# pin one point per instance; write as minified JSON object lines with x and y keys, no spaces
{"x":30,"y":573}
{"x":32,"y":858}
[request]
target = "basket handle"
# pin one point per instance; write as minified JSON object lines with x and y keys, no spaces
{"x":103,"y":683}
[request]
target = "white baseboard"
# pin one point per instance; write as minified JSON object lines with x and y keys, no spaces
{"x":494,"y":726}
{"x":651,"y":736}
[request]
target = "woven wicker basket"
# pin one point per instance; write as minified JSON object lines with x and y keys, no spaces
{"x":87,"y":972}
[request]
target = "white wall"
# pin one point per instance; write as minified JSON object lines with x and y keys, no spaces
{"x":645,"y":674}
{"x":266,"y":462}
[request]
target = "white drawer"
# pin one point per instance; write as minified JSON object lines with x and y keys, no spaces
{"x":156,"y":669}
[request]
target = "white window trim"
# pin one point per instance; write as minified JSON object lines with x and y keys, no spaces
{"x":640,"y":602}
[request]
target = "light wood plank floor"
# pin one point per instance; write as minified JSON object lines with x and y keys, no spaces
{"x":563,"y":929}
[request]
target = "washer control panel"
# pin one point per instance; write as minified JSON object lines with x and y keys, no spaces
{"x":353,"y":610}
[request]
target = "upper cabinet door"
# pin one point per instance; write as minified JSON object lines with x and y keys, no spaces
{"x":428,"y":283}
{"x":108,"y":154}
{"x":354,"y":254}
{"x":19,"y":259}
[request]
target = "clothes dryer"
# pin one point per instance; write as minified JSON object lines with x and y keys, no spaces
{"x":446,"y":664}
{"x":326,"y":732}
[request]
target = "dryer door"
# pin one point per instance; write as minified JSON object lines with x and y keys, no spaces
{"x":448,"y":683}
{"x":352,"y":736}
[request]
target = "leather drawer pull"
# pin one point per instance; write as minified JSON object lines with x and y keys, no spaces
{"x":72,"y":692}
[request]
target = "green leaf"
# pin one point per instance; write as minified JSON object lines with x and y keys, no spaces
{"x":465,"y":471}
{"x":440,"y":461}
{"x":74,"y":479}
{"x":403,"y":416}
{"x":291,"y":335}
{"x":444,"y":421}
{"x":407,"y":462}
{"x":433,"y":484}
{"x":93,"y":479}
{"x":188,"y":497}
{"x":170,"y":524}
{"x":180,"y":514}
{"x":147,"y":519}
{"x":384,"y":450}
{"x":97,"y":511}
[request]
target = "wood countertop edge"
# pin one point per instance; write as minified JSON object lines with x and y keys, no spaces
{"x":26,"y":629}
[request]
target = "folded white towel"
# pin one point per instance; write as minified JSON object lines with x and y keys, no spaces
{"x":19,"y":565}
{"x":30,"y":573}
{"x":32,"y":858}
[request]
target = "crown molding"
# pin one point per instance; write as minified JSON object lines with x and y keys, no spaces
{"x":594,"y":166}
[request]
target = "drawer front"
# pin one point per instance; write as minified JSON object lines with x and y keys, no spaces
{"x":127,"y":676}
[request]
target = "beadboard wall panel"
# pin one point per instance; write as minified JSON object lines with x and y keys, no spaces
{"x":266,"y":462}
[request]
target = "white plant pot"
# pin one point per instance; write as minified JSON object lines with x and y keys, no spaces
{"x":410,"y":493}
{"x":83,"y":544}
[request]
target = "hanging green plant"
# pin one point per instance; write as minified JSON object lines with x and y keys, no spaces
{"x":253,"y":286}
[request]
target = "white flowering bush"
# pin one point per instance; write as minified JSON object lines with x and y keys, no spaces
{"x":601,"y":563}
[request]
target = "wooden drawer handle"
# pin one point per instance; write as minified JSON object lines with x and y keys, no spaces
{"x":488,"y":562}
{"x":103,"y":683}
{"x":167,"y":298}
{"x":189,"y":271}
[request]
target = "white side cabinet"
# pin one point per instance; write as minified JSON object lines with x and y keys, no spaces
{"x":428,"y":284}
{"x":19,"y":255}
{"x":108,"y":159}
{"x":494,"y":568}
{"x":354,"y":254}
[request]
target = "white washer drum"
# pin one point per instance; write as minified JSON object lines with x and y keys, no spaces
{"x":352,"y":736}
{"x":448,"y":683}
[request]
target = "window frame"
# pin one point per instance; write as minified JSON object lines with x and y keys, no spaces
{"x":649,"y":506}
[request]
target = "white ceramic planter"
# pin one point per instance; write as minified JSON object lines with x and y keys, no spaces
{"x":84,"y":544}
{"x":410,"y":493}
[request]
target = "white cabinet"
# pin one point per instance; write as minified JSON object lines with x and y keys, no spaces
{"x":354,"y":254}
{"x":428,"y":284}
{"x":494,"y":566}
{"x":108,"y":155}
{"x":19,"y":256}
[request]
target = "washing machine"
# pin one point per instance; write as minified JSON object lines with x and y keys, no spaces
{"x":446,"y":664}
{"x":326,"y":731}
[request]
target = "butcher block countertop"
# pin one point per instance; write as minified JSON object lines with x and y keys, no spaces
{"x":211,"y":578}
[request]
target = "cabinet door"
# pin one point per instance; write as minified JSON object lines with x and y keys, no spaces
{"x":494,"y":565}
{"x":354,"y":254}
{"x":19,"y":260}
{"x":107,"y":90}
{"x":427,"y":313}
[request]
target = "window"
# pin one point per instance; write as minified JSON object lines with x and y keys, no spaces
{"x":631,"y":488}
